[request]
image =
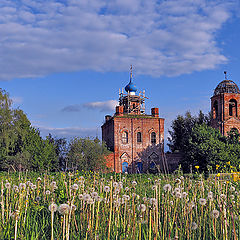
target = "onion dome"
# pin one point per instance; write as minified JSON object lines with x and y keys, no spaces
{"x":131,"y":87}
{"x":226,"y":86}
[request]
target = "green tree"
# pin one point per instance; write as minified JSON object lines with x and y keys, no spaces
{"x":182,"y":128}
{"x":21,"y":146}
{"x":207,"y":148}
{"x":86,"y":154}
{"x":42,"y":152}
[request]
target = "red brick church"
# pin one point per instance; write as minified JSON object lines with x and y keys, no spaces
{"x":135,"y":138}
{"x":225,"y":106}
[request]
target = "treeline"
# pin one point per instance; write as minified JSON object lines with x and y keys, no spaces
{"x":204,"y":148}
{"x":22,"y":147}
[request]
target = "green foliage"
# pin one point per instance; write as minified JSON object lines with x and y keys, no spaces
{"x":86,"y":154}
{"x":182,"y":128}
{"x":203,"y":145}
{"x":21,"y":146}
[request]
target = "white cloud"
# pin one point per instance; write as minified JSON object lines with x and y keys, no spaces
{"x":69,"y":132}
{"x":159,"y":37}
{"x":104,"y":106}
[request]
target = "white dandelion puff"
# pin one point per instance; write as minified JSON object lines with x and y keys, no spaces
{"x":53,"y":207}
{"x":167,"y":187}
{"x":8,"y":185}
{"x":142,"y":208}
{"x":107,"y":189}
{"x":134,"y":183}
{"x":74,"y":187}
{"x":202,"y":201}
{"x":215,"y":213}
{"x":63,"y":209}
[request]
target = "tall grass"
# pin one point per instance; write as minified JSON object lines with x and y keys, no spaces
{"x":93,"y":206}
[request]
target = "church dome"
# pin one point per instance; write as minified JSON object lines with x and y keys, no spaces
{"x":226,"y":86}
{"x":131,"y":87}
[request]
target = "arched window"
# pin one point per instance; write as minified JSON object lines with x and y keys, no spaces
{"x":139,"y":137}
{"x":125,"y":137}
{"x":233,"y":108}
{"x":153,"y":138}
{"x":215,"y":109}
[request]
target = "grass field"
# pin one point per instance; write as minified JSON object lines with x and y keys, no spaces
{"x":97,"y":206}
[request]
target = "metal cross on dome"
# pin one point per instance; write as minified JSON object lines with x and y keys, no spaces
{"x":225,"y":73}
{"x":131,"y":73}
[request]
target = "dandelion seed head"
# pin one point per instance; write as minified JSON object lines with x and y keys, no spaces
{"x":177,"y":190}
{"x":223,"y":196}
{"x":178,"y":195}
{"x":8,"y":185}
{"x":22,"y":186}
{"x":74,"y":187}
{"x":53,"y":207}
{"x":134,"y":183}
{"x":202,"y":201}
{"x":210,"y":196}
{"x":232,"y":189}
{"x":48,"y":192}
{"x":167,"y":187}
{"x":194,"y":226}
{"x":142,"y":208}
{"x":94,"y":195}
{"x":178,"y":181}
{"x":90,"y":201}
{"x":215,"y":213}
{"x":107,"y":189}
{"x":28,"y":182}
{"x":126,"y":197}
{"x":86,"y":197}
{"x":63,"y":209}
{"x":37,"y":199}
{"x":153,"y":201}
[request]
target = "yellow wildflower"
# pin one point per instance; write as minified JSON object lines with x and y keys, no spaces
{"x":197,"y":167}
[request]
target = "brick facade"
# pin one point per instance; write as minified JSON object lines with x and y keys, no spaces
{"x":225,"y":107}
{"x":135,"y":138}
{"x":137,"y":151}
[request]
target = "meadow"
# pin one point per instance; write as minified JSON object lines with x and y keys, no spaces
{"x":114,"y":206}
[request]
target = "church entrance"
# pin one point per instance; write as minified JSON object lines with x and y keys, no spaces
{"x":124,"y":167}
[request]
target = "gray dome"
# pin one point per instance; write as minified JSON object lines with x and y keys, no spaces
{"x":226,"y":86}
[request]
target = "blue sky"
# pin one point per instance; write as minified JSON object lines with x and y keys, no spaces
{"x":63,"y":62}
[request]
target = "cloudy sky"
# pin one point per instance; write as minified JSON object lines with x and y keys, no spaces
{"x":63,"y":61}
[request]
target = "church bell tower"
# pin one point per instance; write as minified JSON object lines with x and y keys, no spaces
{"x":225,"y":106}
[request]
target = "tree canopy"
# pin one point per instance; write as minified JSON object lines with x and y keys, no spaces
{"x":204,"y":146}
{"x":87,"y":154}
{"x":21,"y":146}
